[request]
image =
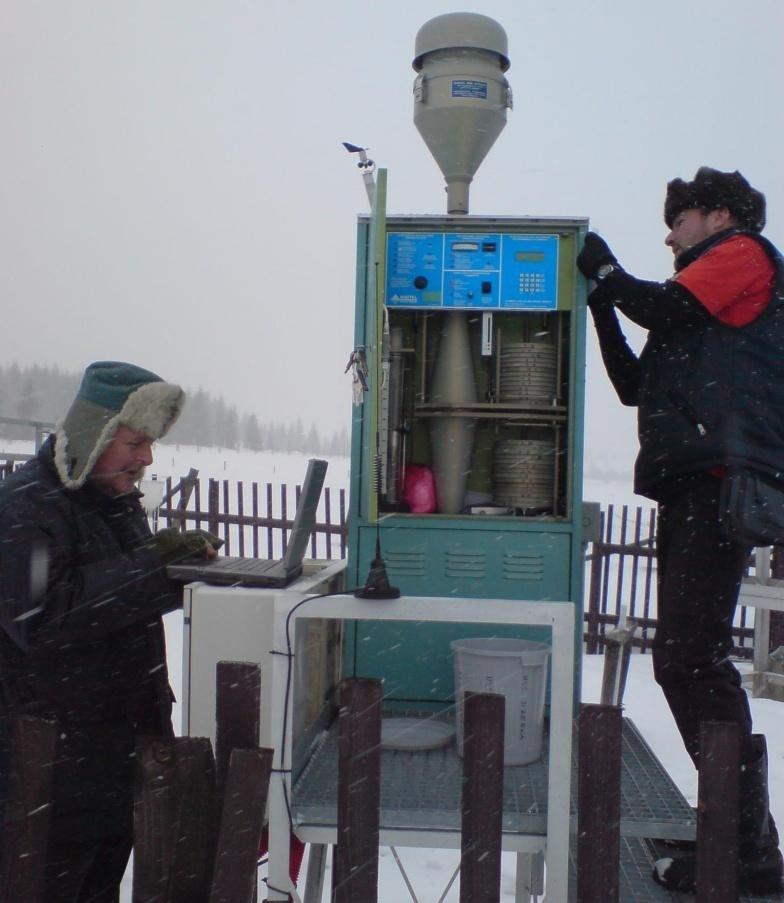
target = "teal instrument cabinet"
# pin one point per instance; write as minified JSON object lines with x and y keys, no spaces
{"x":467,"y":441}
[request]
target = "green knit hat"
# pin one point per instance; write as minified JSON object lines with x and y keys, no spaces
{"x":112,"y":393}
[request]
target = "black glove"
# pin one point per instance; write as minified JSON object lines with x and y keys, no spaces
{"x":595,"y":253}
{"x":172,"y":545}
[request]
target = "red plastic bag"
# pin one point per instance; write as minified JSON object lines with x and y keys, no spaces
{"x":419,"y":489}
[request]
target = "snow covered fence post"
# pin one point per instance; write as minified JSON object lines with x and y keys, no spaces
{"x":617,"y":653}
{"x":717,"y":812}
{"x":28,"y":809}
{"x":355,"y":874}
{"x":598,"y":803}
{"x":482,"y":798}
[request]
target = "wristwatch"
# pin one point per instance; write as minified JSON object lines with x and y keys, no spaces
{"x":604,"y":271}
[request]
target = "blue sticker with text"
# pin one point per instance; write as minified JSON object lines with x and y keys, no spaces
{"x":465,"y":87}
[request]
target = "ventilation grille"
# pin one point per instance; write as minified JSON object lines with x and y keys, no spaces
{"x":523,"y":567}
{"x":468,"y":565}
{"x":405,"y":563}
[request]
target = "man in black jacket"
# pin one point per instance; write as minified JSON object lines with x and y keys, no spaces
{"x":82,"y":591}
{"x":709,"y":387}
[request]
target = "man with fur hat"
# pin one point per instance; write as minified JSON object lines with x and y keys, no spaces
{"x":709,"y":387}
{"x":83,"y":587}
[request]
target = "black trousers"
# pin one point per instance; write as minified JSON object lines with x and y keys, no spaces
{"x":699,"y":575}
{"x":87,"y":872}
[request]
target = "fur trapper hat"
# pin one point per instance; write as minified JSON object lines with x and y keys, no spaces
{"x":712,"y":190}
{"x":112,"y":393}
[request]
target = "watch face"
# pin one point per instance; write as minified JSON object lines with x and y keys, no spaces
{"x":604,"y":270}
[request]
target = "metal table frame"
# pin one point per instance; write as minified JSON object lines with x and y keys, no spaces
{"x":766,"y":594}
{"x":558,"y":616}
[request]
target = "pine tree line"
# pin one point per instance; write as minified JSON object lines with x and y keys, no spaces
{"x":44,"y":393}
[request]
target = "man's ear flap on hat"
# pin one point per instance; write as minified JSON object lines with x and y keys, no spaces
{"x":152,"y":409}
{"x":680,"y":196}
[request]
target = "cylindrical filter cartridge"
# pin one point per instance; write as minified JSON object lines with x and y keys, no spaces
{"x":523,"y":474}
{"x":527,"y":373}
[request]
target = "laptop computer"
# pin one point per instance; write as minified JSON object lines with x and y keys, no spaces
{"x":261,"y":572}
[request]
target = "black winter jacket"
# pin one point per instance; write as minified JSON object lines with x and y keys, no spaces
{"x":709,"y":394}
{"x":81,"y":599}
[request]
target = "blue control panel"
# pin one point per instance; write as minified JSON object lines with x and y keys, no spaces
{"x":472,"y":271}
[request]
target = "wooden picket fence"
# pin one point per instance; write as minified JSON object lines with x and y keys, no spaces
{"x":255,"y":519}
{"x":621,"y":577}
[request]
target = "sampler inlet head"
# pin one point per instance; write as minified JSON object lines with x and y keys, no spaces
{"x":460,"y":95}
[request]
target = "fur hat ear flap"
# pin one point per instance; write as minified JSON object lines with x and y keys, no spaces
{"x":680,"y":196}
{"x":112,"y":393}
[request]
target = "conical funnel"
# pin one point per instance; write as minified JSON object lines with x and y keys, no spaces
{"x":452,"y":437}
{"x":460,"y":95}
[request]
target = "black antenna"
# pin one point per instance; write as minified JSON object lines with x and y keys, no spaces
{"x":377,"y":585}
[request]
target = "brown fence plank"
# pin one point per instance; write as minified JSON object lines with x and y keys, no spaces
{"x":598,"y":560}
{"x":213,"y":506}
{"x":636,"y":560}
{"x":283,"y":514}
{"x":28,"y":810}
{"x":242,"y":820}
{"x":174,"y":817}
{"x":255,"y":509}
{"x":197,"y":504}
{"x":155,"y":813}
{"x":598,"y":803}
{"x":344,"y":533}
{"x":328,"y":519}
{"x":619,"y":594}
{"x":227,"y":509}
{"x":649,"y":575}
{"x":355,"y":872}
{"x":237,"y":712}
{"x":482,"y":798}
{"x":241,"y":516}
{"x":270,"y":552}
{"x":717,"y":813}
{"x":194,"y":823}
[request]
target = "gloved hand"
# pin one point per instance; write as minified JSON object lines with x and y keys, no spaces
{"x":172,"y":545}
{"x":595,"y":253}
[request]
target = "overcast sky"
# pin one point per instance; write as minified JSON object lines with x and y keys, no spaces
{"x":173,"y":189}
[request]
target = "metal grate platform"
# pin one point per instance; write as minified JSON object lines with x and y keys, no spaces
{"x":636,"y":884}
{"x":421,"y":791}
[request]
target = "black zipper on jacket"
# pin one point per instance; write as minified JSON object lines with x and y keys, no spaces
{"x":687,"y":410}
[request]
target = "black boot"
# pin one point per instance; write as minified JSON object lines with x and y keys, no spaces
{"x":760,"y":863}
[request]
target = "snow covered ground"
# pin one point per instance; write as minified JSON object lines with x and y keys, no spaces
{"x":431,"y":870}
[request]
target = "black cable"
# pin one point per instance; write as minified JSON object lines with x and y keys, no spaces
{"x":287,"y":694}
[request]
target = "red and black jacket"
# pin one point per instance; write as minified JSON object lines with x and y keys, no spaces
{"x":710,"y":395}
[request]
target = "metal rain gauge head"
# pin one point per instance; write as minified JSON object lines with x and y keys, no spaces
{"x":460,"y":95}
